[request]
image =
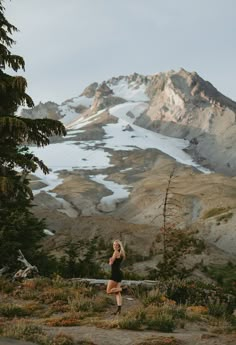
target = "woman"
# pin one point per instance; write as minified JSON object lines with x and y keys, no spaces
{"x":113,"y":285}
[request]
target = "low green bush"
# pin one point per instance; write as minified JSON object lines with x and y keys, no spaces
{"x":152,"y":297}
{"x":130,"y":323}
{"x":217,"y":309}
{"x":162,"y":322}
{"x":11,"y":310}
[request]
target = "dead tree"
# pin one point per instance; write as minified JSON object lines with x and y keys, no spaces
{"x":168,"y":206}
{"x":28,"y":271}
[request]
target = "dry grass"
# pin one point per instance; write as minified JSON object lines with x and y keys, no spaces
{"x":62,"y":322}
{"x":59,"y":303}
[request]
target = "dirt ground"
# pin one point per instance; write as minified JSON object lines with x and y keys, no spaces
{"x":99,"y":336}
{"x":126,"y":337}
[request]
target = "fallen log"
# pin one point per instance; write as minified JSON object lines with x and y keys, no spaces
{"x":124,"y":283}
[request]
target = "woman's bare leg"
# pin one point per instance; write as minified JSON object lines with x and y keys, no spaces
{"x":116,"y":289}
{"x":118,"y":295}
{"x":118,"y":299}
{"x":111,"y":285}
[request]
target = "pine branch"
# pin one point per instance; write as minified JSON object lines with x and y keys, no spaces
{"x":15,"y":62}
{"x":19,"y":83}
{"x":30,"y":131}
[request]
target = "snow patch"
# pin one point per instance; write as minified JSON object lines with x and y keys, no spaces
{"x":119,"y":193}
{"x":129,"y":91}
{"x":129,"y":111}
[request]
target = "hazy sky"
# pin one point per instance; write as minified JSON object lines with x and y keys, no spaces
{"x":68,"y":44}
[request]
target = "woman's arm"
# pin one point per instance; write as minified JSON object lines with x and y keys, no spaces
{"x":114,"y":256}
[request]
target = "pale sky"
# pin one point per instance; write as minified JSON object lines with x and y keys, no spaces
{"x":68,"y":44}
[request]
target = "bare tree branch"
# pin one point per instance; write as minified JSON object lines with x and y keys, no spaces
{"x":28,"y":271}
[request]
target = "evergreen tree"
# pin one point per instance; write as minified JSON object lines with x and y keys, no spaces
{"x":19,"y":228}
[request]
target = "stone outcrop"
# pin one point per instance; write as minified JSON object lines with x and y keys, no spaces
{"x":43,"y":110}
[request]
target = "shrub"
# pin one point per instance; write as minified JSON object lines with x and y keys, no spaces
{"x":51,"y":295}
{"x":195,"y":292}
{"x":153,"y":297}
{"x":85,"y":304}
{"x":6,"y":286}
{"x":11,"y":310}
{"x":178,"y":312}
{"x":134,"y":319}
{"x":225,"y":275}
{"x":130,"y":323}
{"x":163,"y":322}
{"x":217,"y":309}
{"x":180,"y":291}
{"x":139,"y":291}
{"x":26,"y":331}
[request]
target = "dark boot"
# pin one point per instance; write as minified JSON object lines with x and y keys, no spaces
{"x":118,"y":311}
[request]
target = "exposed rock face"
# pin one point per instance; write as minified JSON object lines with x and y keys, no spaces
{"x":90,"y":90}
{"x":43,"y":110}
{"x":184,"y":105}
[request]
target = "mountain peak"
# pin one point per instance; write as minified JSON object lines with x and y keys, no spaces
{"x":90,"y":90}
{"x":194,"y":86}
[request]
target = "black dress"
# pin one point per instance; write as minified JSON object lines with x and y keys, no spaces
{"x":116,"y":273}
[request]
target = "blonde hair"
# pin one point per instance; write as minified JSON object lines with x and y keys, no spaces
{"x":122,"y":251}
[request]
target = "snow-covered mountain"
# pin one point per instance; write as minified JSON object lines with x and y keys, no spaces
{"x":178,"y":104}
{"x":124,"y":137}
